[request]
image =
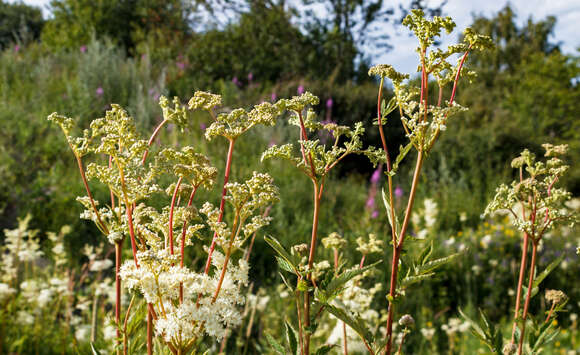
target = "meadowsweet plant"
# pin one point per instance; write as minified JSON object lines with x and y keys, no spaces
{"x":423,"y":122}
{"x":537,"y":205}
{"x":183,"y":306}
{"x":315,"y":160}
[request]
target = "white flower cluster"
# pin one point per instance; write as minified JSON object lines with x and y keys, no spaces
{"x":159,"y":280}
{"x":455,"y":325}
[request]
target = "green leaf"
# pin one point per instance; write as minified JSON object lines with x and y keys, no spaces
{"x":291,"y":338}
{"x":284,"y":265}
{"x":409,"y":280}
{"x":95,"y":351}
{"x":388,"y":207}
{"x":425,"y":254}
{"x":547,"y":271}
{"x":336,"y":284}
{"x":488,"y":334}
{"x":324,"y":349}
{"x":275,"y":345}
{"x":476,"y":329}
{"x":546,"y":333}
{"x":352,"y":320}
{"x":282,"y":253}
{"x":434,"y":264}
{"x":403,"y":151}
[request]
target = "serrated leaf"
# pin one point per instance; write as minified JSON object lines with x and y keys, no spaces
{"x":388,"y":207}
{"x":409,"y":280}
{"x":324,"y":349}
{"x":275,"y":345}
{"x":284,"y":265}
{"x":434,"y":264}
{"x":352,"y":320}
{"x":547,"y":271}
{"x":291,"y":338}
{"x":282,"y":252}
{"x":336,"y":284}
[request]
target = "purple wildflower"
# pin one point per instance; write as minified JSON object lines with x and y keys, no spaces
{"x":329,"y":102}
{"x":202,"y":127}
{"x":376,"y":177}
{"x":273,"y":96}
{"x":236,"y":81}
{"x":300,"y":90}
{"x":99,"y":91}
{"x":83,"y":49}
{"x":250,"y":77}
{"x":398,"y":192}
{"x":16,"y":48}
{"x":375,"y":214}
{"x":370,"y":202}
{"x":180,"y":65}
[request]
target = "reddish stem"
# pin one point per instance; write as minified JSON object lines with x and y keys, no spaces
{"x":551,"y":311}
{"x":457,"y":76}
{"x":171,"y":210}
{"x":150,"y":142}
{"x":149,"y":333}
{"x":183,"y":232}
{"x":310,"y":263}
{"x":362,"y":262}
{"x":222,"y":203}
{"x":226,"y":260}
{"x":89,"y":194}
{"x":397,"y":248}
{"x":118,"y":260}
{"x":523,"y":263}
{"x":528,"y":296}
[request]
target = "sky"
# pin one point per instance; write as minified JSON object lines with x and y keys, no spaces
{"x":402,"y":57}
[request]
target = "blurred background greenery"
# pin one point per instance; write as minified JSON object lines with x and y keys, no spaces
{"x":89,"y":54}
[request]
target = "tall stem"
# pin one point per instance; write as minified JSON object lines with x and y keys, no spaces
{"x":149,"y":333}
{"x":397,"y":247}
{"x":222,"y":203}
{"x":528,"y":296}
{"x":150,"y":142}
{"x":227,"y":258}
{"x":100,"y":223}
{"x":523,"y":263}
{"x":183,"y":233}
{"x":385,"y":148}
{"x":118,"y":260}
{"x":311,"y":262}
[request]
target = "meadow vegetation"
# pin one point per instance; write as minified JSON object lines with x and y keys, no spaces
{"x":295,"y":201}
